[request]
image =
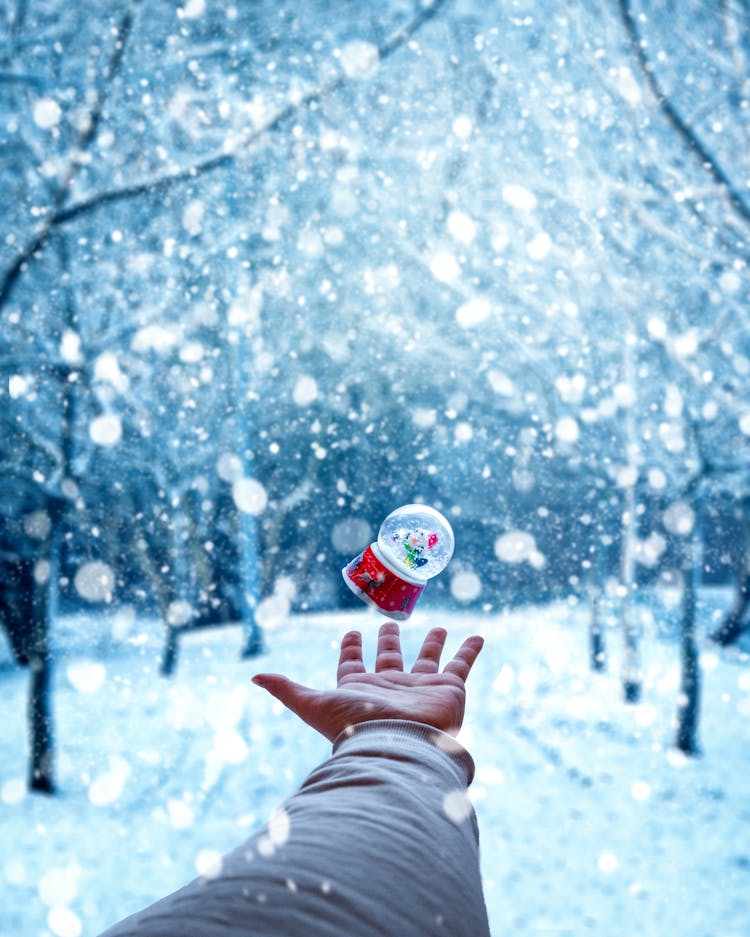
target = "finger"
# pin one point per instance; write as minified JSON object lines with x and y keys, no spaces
{"x":350,"y":658}
{"x":464,"y":659}
{"x":428,"y":660}
{"x":293,"y":695}
{"x":389,"y":648}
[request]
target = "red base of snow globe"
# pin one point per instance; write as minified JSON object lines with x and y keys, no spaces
{"x":378,"y":585}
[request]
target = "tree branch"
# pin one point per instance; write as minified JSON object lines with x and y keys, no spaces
{"x":59,"y":215}
{"x":87,"y":134}
{"x":686,"y":133}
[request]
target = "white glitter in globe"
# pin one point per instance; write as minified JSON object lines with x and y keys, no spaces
{"x":249,"y":496}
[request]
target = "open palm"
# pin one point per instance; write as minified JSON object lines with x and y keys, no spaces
{"x":423,"y":695}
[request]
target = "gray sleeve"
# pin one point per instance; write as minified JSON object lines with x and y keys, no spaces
{"x":379,"y":841}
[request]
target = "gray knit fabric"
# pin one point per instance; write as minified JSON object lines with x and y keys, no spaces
{"x":379,"y":841}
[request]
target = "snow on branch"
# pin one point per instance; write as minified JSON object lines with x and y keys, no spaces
{"x":707,"y":159}
{"x":59,"y":215}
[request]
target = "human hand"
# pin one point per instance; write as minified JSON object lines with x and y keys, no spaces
{"x":423,"y":695}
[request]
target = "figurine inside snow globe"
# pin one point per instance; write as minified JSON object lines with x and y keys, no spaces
{"x":415,"y":543}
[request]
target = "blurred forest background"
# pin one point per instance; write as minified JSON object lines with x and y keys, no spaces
{"x":269,"y":270}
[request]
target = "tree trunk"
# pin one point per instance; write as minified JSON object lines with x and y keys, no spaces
{"x":631,"y":662}
{"x":597,"y":646}
{"x":179,"y":576}
{"x":688,"y":708}
{"x":735,"y":623}
{"x":41,"y":734}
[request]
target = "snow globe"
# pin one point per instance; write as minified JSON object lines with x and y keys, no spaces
{"x":415,"y":543}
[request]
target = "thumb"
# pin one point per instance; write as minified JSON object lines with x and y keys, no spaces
{"x":293,"y":695}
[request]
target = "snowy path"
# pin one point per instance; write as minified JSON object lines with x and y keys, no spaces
{"x":589,"y":822}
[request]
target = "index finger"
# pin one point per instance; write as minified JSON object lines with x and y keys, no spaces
{"x":465,"y":657}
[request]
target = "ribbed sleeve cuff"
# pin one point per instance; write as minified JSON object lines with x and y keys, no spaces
{"x":390,"y":735}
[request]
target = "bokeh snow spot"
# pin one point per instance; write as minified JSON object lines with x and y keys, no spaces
{"x":208,"y":863}
{"x":473,"y":312}
{"x":229,"y":467}
{"x":517,"y":546}
{"x":444,"y":267}
{"x":95,"y":581}
{"x":37,"y":525}
{"x":462,"y":126}
{"x":539,"y":246}
{"x":193,"y":9}
{"x":13,"y":791}
{"x":86,"y":676}
{"x":179,"y":613}
{"x":457,"y":806}
{"x":250,"y":496}
{"x":59,"y":886}
{"x":106,"y":430}
{"x":640,"y":791}
{"x":46,"y":113}
{"x":359,"y":58}
{"x":108,"y":786}
{"x":461,"y":227}
{"x":181,"y":816}
{"x":305,"y":391}
{"x":679,"y":518}
{"x":279,"y":827}
{"x":466,"y":586}
{"x":351,"y":535}
{"x":64,"y":923}
{"x":567,"y":430}
{"x":607,"y":862}
{"x":423,"y":417}
{"x":192,"y":217}
{"x":518,"y":196}
{"x":231,"y":747}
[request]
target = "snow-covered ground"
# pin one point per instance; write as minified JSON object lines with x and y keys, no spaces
{"x":590,"y":822}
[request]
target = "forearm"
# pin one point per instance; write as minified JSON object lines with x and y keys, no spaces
{"x":379,"y":840}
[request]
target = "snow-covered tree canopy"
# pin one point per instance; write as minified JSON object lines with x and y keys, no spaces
{"x":306,"y":262}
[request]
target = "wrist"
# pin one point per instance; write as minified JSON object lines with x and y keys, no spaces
{"x":390,"y":737}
